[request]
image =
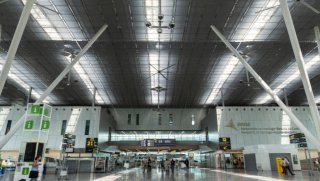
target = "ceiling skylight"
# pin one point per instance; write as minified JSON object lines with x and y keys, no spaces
{"x":152,"y":12}
{"x":287,"y":80}
{"x":44,"y":22}
{"x":229,"y":63}
{"x":259,"y":22}
{"x":84,"y":76}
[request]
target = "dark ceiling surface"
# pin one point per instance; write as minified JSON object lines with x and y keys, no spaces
{"x":121,"y":64}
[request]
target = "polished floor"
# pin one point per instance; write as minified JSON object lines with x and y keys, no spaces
{"x":193,"y":174}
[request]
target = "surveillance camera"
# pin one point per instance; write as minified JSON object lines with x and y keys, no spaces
{"x":160,"y":16}
{"x":148,"y":24}
{"x":240,"y":81}
{"x":159,"y":30}
{"x":171,"y":25}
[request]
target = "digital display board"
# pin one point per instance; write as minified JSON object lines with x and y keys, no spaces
{"x":299,"y":139}
{"x":91,"y":145}
{"x":224,"y":143}
{"x":158,"y":142}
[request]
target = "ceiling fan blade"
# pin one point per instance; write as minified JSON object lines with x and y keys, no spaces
{"x":309,"y":6}
{"x":153,"y":67}
{"x":151,"y":75}
{"x":163,"y":76}
{"x":167,"y":67}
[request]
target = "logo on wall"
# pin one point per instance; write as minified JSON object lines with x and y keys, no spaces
{"x":231,"y":124}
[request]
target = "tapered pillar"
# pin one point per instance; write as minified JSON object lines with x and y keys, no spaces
{"x":15,"y":42}
{"x":301,"y":65}
{"x":20,"y":122}
{"x":314,"y":140}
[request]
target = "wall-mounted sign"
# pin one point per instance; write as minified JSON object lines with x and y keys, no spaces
{"x":69,"y":141}
{"x":225,"y":143}
{"x":299,"y":139}
{"x":28,"y":124}
{"x":158,"y":142}
{"x":91,"y":145}
{"x":45,"y":124}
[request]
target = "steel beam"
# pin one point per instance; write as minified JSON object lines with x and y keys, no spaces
{"x":29,"y":95}
{"x":317,"y":35}
{"x":301,"y":65}
{"x":297,"y":122}
{"x":94,"y":96}
{"x":20,"y":122}
{"x":15,"y":42}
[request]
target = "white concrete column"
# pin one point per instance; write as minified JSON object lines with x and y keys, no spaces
{"x":20,"y":122}
{"x":301,"y":65}
{"x":15,"y":42}
{"x":314,"y":140}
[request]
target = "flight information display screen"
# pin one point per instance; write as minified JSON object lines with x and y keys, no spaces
{"x":157,"y":142}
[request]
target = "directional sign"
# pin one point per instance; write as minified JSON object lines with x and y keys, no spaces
{"x":28,"y":124}
{"x":91,"y":145}
{"x":302,"y":145}
{"x":25,"y":171}
{"x":35,"y":109}
{"x":225,"y":143}
{"x":45,"y":124}
{"x":299,"y":139}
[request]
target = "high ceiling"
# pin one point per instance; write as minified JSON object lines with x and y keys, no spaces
{"x":122,"y":64}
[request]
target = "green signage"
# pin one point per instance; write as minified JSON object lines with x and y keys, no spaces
{"x":45,"y":124}
{"x":25,"y":170}
{"x":28,"y":124}
{"x":35,"y":109}
{"x":46,"y":112}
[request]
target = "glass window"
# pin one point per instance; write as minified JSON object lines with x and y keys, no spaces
{"x":137,"y":120}
{"x":87,"y":129}
{"x":129,"y":119}
{"x":8,"y":126}
{"x":63,"y":127}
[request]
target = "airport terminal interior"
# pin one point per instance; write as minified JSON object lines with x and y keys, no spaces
{"x":111,"y":90}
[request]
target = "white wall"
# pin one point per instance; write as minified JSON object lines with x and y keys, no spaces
{"x":148,"y":119}
{"x":106,"y":121}
{"x":262,"y":154}
{"x":55,"y":137}
{"x":259,"y":125}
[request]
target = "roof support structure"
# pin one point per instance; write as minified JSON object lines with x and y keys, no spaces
{"x":301,"y":65}
{"x":20,"y":122}
{"x":314,"y":140}
{"x":317,"y":35}
{"x":15,"y":42}
{"x":94,"y":96}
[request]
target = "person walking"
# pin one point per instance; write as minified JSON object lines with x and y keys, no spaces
{"x":287,"y":165}
{"x":172,"y":165}
{"x":34,"y":173}
{"x":186,"y":162}
{"x":283,"y":166}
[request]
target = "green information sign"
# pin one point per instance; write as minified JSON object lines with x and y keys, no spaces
{"x":28,"y":124}
{"x":45,"y":124}
{"x":25,"y":170}
{"x":46,"y":112}
{"x":36,"y":109}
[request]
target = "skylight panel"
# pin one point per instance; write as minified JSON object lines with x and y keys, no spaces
{"x":44,"y":22}
{"x":229,"y":63}
{"x":293,"y":77}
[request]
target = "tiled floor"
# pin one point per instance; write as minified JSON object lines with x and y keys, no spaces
{"x":184,"y":175}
